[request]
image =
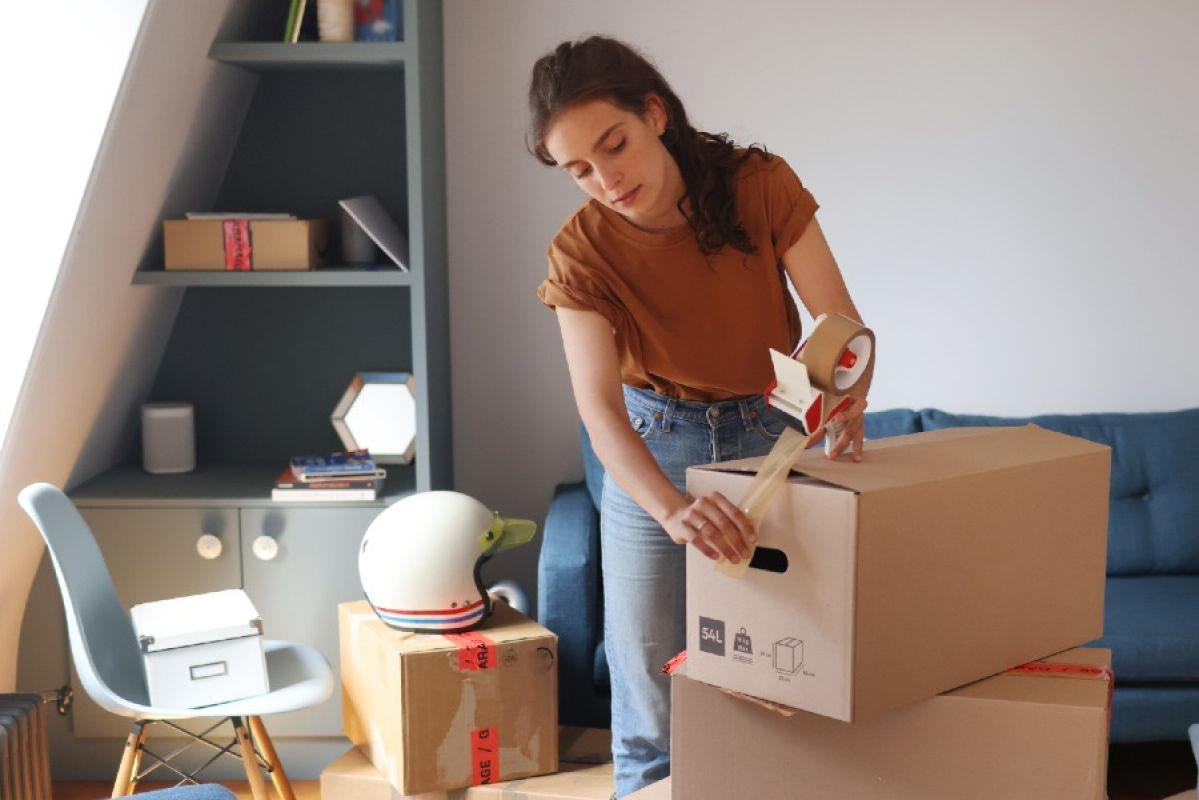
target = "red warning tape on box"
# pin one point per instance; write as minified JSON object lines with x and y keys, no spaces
{"x":484,"y":755}
{"x":237,"y":245}
{"x":475,"y":651}
{"x":1086,"y":671}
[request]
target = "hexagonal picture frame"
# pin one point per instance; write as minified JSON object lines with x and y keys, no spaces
{"x":377,"y":412}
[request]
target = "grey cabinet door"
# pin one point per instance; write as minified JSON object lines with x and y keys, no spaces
{"x":297,"y":592}
{"x":151,"y":554}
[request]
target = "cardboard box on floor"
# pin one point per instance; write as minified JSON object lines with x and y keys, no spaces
{"x":353,"y":777}
{"x":289,"y":244}
{"x":941,"y":558}
{"x":655,"y":791}
{"x":433,"y":714}
{"x":1008,"y":736}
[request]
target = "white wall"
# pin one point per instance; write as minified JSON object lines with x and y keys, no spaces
{"x":60,"y":75}
{"x":1009,"y":188}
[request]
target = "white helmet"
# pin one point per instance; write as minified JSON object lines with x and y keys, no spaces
{"x":419,"y":561}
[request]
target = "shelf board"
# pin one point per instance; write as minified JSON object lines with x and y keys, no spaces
{"x":263,"y":56}
{"x":216,"y":485}
{"x":329,"y":276}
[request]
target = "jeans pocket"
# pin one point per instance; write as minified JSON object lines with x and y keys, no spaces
{"x":768,"y":424}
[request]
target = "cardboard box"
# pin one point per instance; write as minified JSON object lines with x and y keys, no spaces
{"x":655,"y":791}
{"x":201,"y":649}
{"x":199,"y":244}
{"x":1009,"y":736}
{"x":941,"y":558}
{"x":353,"y":777}
{"x":433,"y":712}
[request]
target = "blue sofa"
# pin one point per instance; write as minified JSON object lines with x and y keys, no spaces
{"x":1151,"y":617}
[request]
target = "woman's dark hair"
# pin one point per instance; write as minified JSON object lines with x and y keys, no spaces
{"x":602,"y":68}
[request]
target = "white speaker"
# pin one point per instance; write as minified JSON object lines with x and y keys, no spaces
{"x":168,"y":438}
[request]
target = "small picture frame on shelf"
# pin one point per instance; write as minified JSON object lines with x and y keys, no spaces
{"x":377,"y":412}
{"x":378,"y":21}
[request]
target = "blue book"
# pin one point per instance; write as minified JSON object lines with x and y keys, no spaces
{"x":354,"y":462}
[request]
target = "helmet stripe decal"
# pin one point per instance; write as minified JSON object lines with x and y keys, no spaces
{"x":430,"y":621}
{"x":444,"y":612}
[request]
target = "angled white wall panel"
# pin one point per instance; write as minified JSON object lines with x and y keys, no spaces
{"x":165,"y":150}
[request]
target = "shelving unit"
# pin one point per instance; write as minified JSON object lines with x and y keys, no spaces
{"x":325,"y":121}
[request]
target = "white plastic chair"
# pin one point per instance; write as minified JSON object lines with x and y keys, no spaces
{"x":109,"y":660}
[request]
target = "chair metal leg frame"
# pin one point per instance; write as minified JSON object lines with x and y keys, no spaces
{"x":130,"y":772}
{"x":274,"y":766}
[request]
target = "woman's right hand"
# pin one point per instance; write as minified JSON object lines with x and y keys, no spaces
{"x":715,"y":526}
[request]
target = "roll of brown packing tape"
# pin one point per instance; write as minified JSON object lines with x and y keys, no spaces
{"x":838,"y":354}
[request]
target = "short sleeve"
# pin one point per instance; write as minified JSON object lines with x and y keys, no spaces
{"x":789,"y":205}
{"x":573,"y":284}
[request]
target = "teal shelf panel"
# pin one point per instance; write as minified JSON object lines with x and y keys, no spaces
{"x":215,"y":485}
{"x":263,"y":56}
{"x":332,"y":276}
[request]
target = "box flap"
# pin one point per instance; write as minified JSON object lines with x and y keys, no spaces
{"x":929,"y":456}
{"x":195,"y":619}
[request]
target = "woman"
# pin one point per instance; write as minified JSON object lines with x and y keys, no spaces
{"x":670,"y":286}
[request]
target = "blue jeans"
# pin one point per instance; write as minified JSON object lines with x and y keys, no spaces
{"x":644,"y":572}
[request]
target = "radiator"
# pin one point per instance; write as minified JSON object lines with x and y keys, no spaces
{"x":24,"y":753}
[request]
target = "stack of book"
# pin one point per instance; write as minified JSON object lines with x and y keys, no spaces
{"x":352,"y":476}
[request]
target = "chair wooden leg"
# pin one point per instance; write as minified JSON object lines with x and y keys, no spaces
{"x":133,"y":742}
{"x":249,"y":759}
{"x":274,"y":765}
{"x":137,"y":756}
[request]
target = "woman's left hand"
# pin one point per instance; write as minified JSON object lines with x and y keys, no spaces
{"x":853,"y":428}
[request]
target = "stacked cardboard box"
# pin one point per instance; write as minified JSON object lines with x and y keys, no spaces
{"x":941,"y":559}
{"x":585,"y":773}
{"x":435,"y":713}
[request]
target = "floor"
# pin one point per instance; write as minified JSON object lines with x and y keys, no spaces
{"x":1136,"y":772}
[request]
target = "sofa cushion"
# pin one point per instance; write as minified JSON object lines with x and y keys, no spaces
{"x":891,"y":422}
{"x":593,"y":470}
{"x":1154,"y":522}
{"x":1149,"y":623}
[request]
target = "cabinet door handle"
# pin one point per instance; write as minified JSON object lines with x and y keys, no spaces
{"x":265,"y":547}
{"x":209,"y":546}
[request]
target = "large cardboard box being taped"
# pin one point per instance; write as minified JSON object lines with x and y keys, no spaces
{"x":274,"y":244}
{"x":939,"y":559}
{"x":353,"y":777}
{"x":1028,"y":735}
{"x":437,"y":712}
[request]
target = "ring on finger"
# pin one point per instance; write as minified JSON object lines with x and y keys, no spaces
{"x":700,"y":528}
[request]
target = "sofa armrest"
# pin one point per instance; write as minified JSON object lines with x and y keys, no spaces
{"x":569,"y":601}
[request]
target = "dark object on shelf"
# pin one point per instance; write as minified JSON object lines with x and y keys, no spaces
{"x":378,"y":21}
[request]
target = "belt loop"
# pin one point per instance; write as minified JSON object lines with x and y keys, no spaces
{"x":668,"y":414}
{"x":747,"y":414}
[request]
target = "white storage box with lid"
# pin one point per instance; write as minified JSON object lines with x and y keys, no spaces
{"x":201,"y":649}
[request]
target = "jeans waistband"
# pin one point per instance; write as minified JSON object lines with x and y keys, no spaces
{"x":669,"y":409}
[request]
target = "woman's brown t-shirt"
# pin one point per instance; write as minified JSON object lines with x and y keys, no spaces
{"x":689,"y":326}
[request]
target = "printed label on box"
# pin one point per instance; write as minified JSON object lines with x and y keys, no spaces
{"x":475,"y":651}
{"x":711,"y":635}
{"x":485,"y":755}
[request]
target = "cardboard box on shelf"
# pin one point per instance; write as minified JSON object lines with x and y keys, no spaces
{"x":200,"y":244}
{"x":353,"y":777}
{"x":1012,"y":735}
{"x":941,"y":558}
{"x":433,"y":712}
